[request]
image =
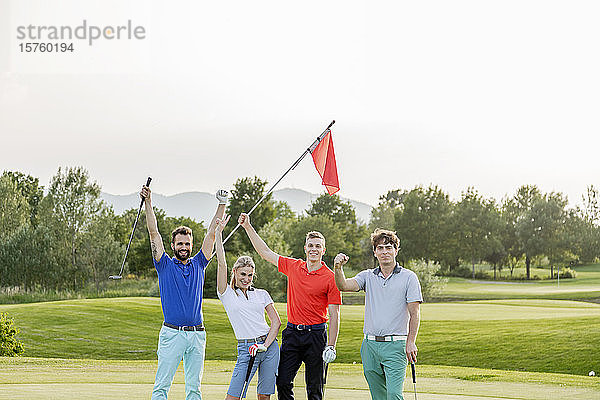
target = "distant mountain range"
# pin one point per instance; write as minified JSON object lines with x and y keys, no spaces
{"x":201,"y":205}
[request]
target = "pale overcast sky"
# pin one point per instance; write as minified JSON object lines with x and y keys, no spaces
{"x":456,"y":93}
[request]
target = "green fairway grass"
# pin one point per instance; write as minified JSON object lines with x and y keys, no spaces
{"x":34,"y":378}
{"x":585,"y":287}
{"x":525,"y":335}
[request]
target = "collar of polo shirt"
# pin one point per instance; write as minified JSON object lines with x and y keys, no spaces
{"x":396,"y":270}
{"x":178,"y":261}
{"x":250,"y":288}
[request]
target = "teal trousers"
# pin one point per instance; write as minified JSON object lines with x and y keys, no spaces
{"x":173,"y":346}
{"x":384,"y":366}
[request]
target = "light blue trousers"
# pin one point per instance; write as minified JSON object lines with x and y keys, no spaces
{"x":173,"y":346}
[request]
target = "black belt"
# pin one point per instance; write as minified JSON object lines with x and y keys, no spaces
{"x":254,"y":340}
{"x":300,"y":327}
{"x":184,"y":328}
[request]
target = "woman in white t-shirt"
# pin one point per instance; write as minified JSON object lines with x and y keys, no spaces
{"x":245,"y":307}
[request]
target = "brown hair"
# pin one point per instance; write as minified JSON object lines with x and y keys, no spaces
{"x":182,"y":230}
{"x":315,"y":235}
{"x":243,"y":261}
{"x":383,"y":236}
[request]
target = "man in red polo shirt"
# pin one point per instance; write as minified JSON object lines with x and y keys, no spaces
{"x":311,"y":294}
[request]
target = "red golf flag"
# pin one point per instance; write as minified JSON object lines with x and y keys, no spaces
{"x":324,"y":158}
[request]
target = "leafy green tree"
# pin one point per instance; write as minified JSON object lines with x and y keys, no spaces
{"x":283,"y":210}
{"x":14,"y":209}
{"x":383,"y":216}
{"x":478,"y":222}
{"x":423,"y":225}
{"x":495,"y":256}
{"x":246,"y":193}
{"x":582,"y":227}
{"x":341,"y":212}
{"x":66,"y":214}
{"x":100,"y":253}
{"x":74,"y":200}
{"x":25,"y":259}
{"x":9,"y":344}
{"x":591,"y":206}
{"x":517,"y":211}
{"x":550,"y":216}
{"x":510,"y":214}
{"x":30,"y":189}
{"x":540,"y":228}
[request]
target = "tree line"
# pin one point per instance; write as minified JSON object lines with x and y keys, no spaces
{"x":64,"y":237}
{"x":525,"y":227}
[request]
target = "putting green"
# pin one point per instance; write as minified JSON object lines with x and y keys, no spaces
{"x":36,"y":378}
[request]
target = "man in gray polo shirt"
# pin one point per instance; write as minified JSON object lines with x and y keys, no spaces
{"x":392,"y":300}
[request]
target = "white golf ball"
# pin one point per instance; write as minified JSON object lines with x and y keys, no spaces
{"x":592,"y":373}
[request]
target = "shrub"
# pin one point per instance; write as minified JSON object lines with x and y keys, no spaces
{"x":431,"y":284}
{"x":566,"y":273}
{"x":9,"y":344}
{"x":459,"y":272}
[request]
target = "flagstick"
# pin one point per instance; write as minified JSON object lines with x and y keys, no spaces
{"x":294,"y":165}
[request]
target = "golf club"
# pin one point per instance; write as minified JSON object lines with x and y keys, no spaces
{"x":247,"y":381}
{"x":414,"y":376}
{"x":120,"y":276}
{"x":325,"y":368}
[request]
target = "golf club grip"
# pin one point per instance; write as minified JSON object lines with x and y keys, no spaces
{"x":414,"y":375}
{"x":147,"y":184}
{"x":249,"y":369}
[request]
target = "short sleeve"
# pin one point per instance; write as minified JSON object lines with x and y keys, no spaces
{"x":333,"y":293}
{"x":284,"y":263}
{"x":266,"y":298}
{"x":200,"y":259}
{"x":361,"y":278}
{"x":413,"y":290}
{"x":162,"y":263}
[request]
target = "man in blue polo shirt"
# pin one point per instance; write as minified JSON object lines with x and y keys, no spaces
{"x":180,"y":280}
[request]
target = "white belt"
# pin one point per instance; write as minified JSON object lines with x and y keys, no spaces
{"x":386,"y":338}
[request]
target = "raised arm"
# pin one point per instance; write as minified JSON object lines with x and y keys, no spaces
{"x":156,"y":243}
{"x":413,"y":329}
{"x":209,"y":239}
{"x":259,"y":245}
{"x":343,"y":284}
{"x":221,"y":263}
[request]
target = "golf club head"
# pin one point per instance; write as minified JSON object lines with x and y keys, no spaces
{"x":115,"y":277}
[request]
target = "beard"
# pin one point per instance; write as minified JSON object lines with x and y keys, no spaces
{"x":182,"y":255}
